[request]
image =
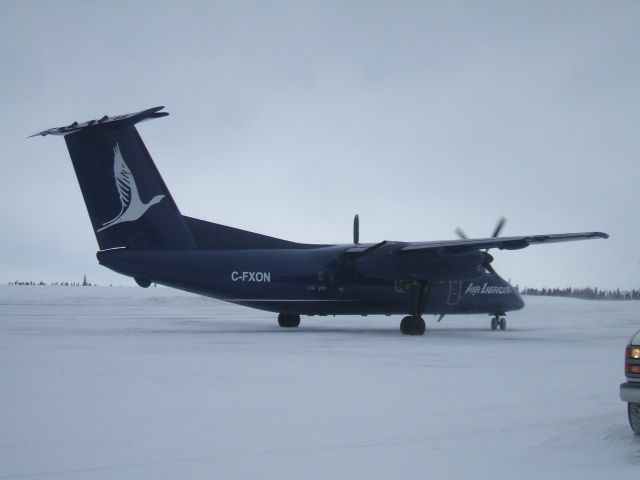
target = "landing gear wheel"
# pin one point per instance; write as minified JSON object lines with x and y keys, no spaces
{"x":633,"y":409}
{"x":288,"y":320}
{"x":498,"y":322}
{"x":421,"y":326}
{"x":413,"y":326}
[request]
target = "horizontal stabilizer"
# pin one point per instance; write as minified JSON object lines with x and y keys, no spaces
{"x":106,"y":121}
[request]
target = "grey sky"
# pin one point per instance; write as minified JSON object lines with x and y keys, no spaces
{"x":289,"y":117}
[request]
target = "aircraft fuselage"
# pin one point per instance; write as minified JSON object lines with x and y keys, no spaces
{"x":307,"y":281}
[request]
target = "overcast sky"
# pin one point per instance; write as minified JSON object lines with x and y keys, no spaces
{"x":287,"y":118}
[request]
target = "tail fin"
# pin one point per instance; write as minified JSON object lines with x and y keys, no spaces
{"x":127,"y":200}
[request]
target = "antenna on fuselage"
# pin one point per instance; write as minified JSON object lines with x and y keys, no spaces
{"x":356,"y":229}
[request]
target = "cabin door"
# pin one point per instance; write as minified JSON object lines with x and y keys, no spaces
{"x":455,"y":288}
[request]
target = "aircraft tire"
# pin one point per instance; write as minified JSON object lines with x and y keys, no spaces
{"x":405,"y":325}
{"x":421,"y":327}
{"x":412,"y":326}
{"x":494,"y":323}
{"x":288,"y":320}
{"x":502,"y":323}
{"x":633,"y":409}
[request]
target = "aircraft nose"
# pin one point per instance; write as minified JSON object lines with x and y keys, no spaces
{"x":518,"y":302}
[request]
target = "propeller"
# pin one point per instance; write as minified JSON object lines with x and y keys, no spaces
{"x":496,"y":232}
{"x":460,"y":233}
{"x":356,"y":229}
{"x":499,"y":226}
{"x":488,"y":258}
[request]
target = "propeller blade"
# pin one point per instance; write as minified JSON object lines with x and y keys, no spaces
{"x":461,"y":234}
{"x":499,"y":225}
{"x":356,"y":229}
{"x":487,"y":262}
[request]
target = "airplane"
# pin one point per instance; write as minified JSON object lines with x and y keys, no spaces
{"x":142,"y":234}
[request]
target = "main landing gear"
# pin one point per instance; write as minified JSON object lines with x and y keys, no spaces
{"x":288,"y":320}
{"x":412,"y":325}
{"x":498,"y":322}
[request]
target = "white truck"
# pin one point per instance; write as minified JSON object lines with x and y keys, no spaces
{"x":630,"y":390}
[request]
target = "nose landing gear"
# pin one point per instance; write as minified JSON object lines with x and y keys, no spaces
{"x":498,"y":321}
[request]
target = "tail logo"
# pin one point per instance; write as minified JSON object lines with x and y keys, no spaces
{"x":132,"y":208}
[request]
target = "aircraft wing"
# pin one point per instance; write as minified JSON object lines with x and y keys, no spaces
{"x":502,"y":243}
{"x":467,"y":244}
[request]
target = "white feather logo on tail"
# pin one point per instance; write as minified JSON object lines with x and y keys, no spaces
{"x":132,"y":207}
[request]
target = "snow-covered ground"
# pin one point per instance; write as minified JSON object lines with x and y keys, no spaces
{"x":129,"y":383}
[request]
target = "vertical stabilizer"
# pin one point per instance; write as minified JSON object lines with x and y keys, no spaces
{"x":128,"y":203}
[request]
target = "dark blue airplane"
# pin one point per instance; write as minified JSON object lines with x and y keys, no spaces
{"x":142,"y":234}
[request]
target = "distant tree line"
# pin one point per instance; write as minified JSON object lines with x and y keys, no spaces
{"x":59,"y":284}
{"x":588,"y":293}
{"x":84,"y":283}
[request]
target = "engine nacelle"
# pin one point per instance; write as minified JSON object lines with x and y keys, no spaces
{"x":389,"y":262}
